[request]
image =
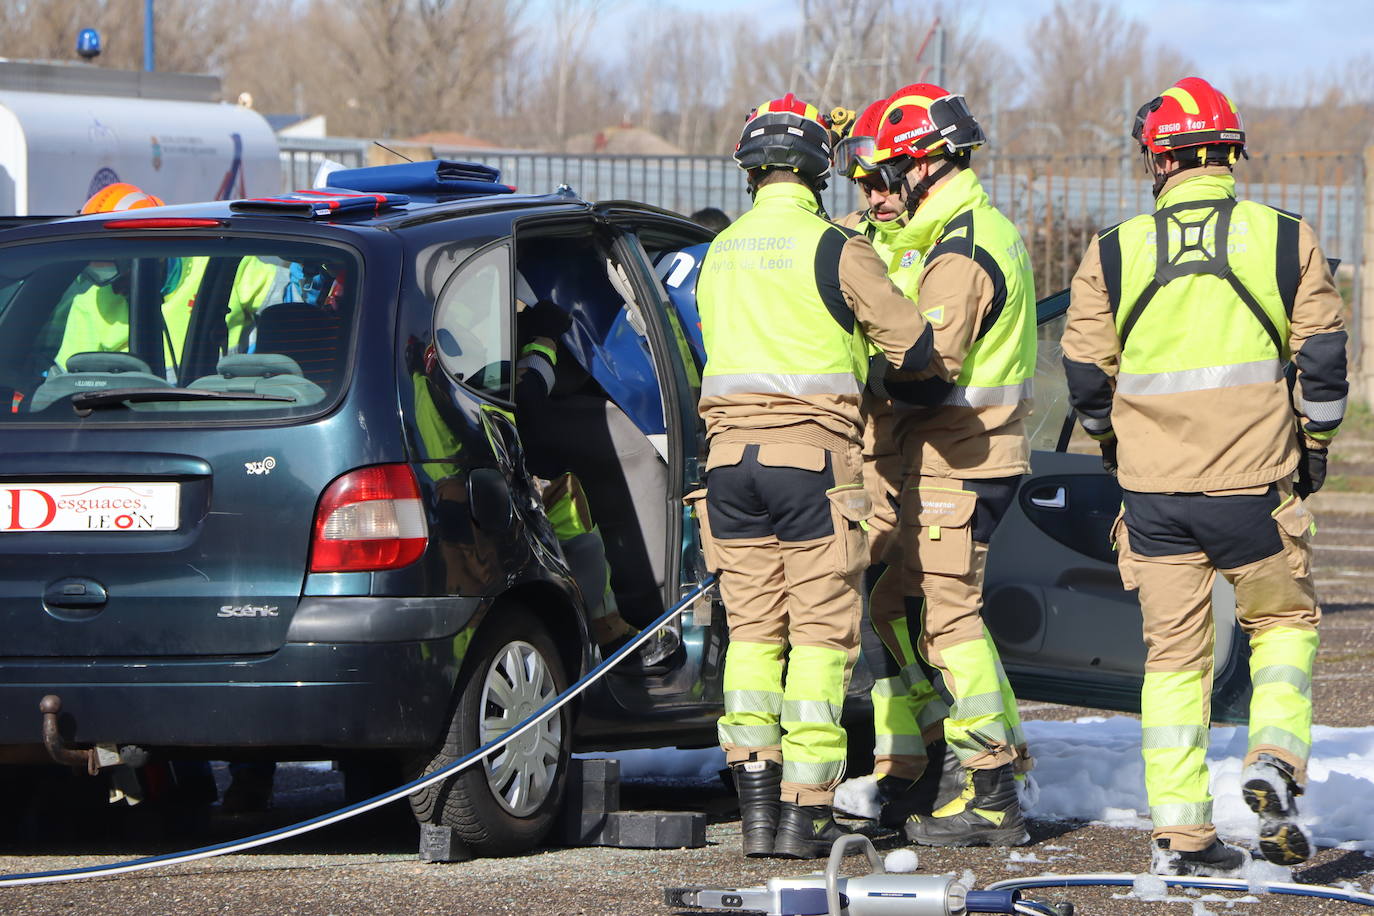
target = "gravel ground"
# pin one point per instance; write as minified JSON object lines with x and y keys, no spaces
{"x":371,"y":867}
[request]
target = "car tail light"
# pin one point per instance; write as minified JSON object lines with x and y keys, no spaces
{"x":369,"y":519}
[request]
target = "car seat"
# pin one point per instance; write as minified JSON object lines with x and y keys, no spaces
{"x":262,"y":373}
{"x":92,"y":371}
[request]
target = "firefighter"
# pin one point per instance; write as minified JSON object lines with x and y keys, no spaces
{"x":908,"y":715}
{"x":1180,"y":325}
{"x":789,"y":302}
{"x":961,"y":435}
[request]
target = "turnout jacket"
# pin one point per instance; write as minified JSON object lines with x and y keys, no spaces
{"x":1196,"y":394}
{"x":964,"y":265}
{"x":789,"y":304}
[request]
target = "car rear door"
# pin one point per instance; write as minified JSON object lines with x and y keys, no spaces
{"x":1067,"y":630}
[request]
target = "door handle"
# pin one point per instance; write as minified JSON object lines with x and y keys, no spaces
{"x":1059,"y":500}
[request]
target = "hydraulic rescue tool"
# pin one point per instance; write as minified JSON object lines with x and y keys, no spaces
{"x":877,"y":893}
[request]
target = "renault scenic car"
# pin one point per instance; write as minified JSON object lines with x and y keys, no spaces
{"x":264,"y":493}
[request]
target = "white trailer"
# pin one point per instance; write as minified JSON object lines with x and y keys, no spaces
{"x":62,"y":139}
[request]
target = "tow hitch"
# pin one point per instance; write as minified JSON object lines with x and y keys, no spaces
{"x":120,"y":761}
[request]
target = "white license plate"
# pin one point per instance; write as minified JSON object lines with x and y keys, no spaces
{"x":88,"y":506}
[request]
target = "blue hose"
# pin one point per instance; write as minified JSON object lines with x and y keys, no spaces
{"x":353,"y":810}
{"x":1211,"y":884}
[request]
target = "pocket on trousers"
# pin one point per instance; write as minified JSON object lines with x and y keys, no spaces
{"x":1125,"y":560}
{"x":937,"y":529}
{"x":850,"y":506}
{"x":1296,"y":526}
{"x":724,"y":454}
{"x":696,"y":501}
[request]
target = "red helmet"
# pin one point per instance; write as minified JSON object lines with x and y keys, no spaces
{"x":924,"y":120}
{"x":1191,"y":112}
{"x":786,"y":133}
{"x":856,"y":149}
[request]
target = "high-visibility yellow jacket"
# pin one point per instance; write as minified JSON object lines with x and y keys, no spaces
{"x":789,"y":302}
{"x":1179,"y":350}
{"x":966,"y":268}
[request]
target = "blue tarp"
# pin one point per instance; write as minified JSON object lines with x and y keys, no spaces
{"x":423,"y":179}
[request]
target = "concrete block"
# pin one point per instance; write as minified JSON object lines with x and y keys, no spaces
{"x":659,"y":829}
{"x":441,"y":844}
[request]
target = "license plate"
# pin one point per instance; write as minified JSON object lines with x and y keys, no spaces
{"x":88,"y":506}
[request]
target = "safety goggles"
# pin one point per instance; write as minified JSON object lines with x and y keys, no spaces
{"x":886,"y":177}
{"x":854,"y":155}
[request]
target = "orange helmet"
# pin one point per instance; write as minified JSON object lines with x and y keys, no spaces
{"x":786,"y":133}
{"x":858,"y":147}
{"x":120,"y":196}
{"x":1191,"y":112}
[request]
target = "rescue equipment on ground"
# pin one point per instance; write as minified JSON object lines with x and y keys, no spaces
{"x":880,"y":893}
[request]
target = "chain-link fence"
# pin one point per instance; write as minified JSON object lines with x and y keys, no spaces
{"x":1056,"y":201}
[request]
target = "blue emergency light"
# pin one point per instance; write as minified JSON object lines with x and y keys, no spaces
{"x":88,"y":43}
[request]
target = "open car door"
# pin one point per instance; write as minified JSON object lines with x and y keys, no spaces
{"x":1067,"y":631}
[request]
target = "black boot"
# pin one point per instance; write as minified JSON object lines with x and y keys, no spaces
{"x":1271,"y":791}
{"x":901,"y":798}
{"x":1219,"y":860}
{"x":806,"y":832}
{"x":986,"y":813}
{"x":758,"y":783}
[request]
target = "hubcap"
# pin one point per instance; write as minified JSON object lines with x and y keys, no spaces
{"x":521,"y":774}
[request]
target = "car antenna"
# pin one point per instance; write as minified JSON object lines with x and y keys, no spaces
{"x":393,"y":152}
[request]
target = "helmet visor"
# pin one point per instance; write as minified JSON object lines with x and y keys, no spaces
{"x":854,"y":156}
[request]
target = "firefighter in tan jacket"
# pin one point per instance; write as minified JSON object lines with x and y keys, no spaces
{"x":961,"y":434}
{"x":1180,"y":326}
{"x":908,"y":714}
{"x":789,"y":303}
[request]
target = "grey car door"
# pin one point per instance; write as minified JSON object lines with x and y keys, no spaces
{"x":1067,"y":631}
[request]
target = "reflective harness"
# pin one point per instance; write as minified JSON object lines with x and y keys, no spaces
{"x":1192,"y":233}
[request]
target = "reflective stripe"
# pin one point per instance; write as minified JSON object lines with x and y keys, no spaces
{"x":1173,"y":736}
{"x":1094,"y":424}
{"x":1181,"y":814}
{"x":999,"y":396}
{"x":750,"y":735}
{"x":1283,"y":674}
{"x":841,"y":383}
{"x":1273,"y":735}
{"x":889,"y":687}
{"x":980,"y":704}
{"x":903,"y":745}
{"x":812,"y":774}
{"x":1322,"y":411}
{"x":761,"y":701}
{"x":931,"y":713}
{"x":1208,"y":377}
{"x":810,"y":711}
{"x":539,"y":365}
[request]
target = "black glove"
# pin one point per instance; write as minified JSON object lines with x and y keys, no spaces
{"x":1108,"y":447}
{"x":543,"y":319}
{"x":1311,"y":471}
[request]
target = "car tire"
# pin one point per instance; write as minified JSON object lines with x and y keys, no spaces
{"x":507,"y":803}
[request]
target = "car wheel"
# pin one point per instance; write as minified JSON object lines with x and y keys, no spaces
{"x":506,"y":803}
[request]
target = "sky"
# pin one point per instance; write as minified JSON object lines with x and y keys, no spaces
{"x":1228,"y":39}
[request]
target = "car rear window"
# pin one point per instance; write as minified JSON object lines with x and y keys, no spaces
{"x":126,"y":329}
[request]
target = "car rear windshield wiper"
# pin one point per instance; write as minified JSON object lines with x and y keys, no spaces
{"x":86,"y":401}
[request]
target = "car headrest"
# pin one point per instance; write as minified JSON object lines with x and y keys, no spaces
{"x":97,"y":361}
{"x":257,"y":365}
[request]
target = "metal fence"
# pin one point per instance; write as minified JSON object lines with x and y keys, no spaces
{"x":1056,"y":201}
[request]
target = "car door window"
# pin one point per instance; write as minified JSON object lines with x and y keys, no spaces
{"x":472,"y":332}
